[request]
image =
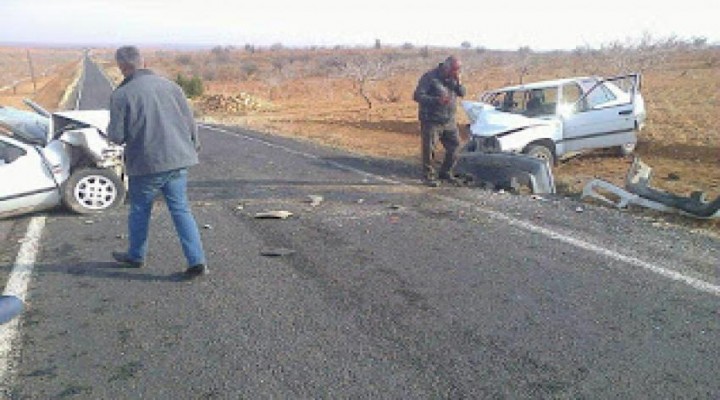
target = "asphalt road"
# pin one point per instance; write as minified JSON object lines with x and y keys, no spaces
{"x":385,"y":289}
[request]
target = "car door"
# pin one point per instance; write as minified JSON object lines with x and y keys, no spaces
{"x":27,"y":183}
{"x":603,"y":116}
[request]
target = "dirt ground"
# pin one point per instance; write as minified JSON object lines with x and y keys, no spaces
{"x":681,"y":141}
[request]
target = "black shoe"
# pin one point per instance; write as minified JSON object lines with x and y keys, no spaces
{"x":123,"y":258}
{"x":431,"y":180}
{"x":451,"y":180}
{"x":197,"y":270}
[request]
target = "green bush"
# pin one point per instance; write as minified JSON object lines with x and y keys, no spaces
{"x":193,"y":87}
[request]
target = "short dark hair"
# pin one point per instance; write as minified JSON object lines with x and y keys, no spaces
{"x":129,"y":55}
{"x":451,"y":62}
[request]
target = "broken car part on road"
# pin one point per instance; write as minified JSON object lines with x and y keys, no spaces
{"x":506,"y":171}
{"x":639,"y":192}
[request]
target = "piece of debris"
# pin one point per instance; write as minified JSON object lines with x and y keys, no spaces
{"x":673,"y":177}
{"x":360,"y":201}
{"x":507,"y":171}
{"x":537,"y":197}
{"x":639,"y":192}
{"x":277,"y":214}
{"x":207,"y":226}
{"x":579,"y":209}
{"x":277,"y":252}
{"x":120,"y":236}
{"x":396,"y":207}
{"x":315,"y":200}
{"x":89,"y":222}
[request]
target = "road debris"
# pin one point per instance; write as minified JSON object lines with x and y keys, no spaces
{"x":277,"y":252}
{"x":639,"y":192}
{"x":315,"y":200}
{"x":276,"y":214}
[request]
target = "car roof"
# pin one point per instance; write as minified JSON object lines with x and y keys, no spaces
{"x":543,"y":84}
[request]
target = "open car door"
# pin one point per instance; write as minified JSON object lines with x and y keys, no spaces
{"x":604,"y":116}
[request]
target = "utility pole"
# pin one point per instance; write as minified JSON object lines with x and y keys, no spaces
{"x":32,"y":72}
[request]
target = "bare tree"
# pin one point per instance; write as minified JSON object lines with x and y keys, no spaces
{"x":363,"y":70}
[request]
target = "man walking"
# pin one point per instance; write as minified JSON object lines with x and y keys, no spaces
{"x":151,"y":116}
{"x":436,"y":94}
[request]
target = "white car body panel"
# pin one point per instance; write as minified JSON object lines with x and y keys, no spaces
{"x":27,"y":184}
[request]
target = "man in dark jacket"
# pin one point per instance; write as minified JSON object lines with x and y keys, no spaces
{"x":151,"y":116}
{"x":436,"y":94}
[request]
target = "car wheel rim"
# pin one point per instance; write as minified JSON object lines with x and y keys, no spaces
{"x":95,"y":192}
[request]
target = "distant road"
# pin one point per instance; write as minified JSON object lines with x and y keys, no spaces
{"x":96,"y":88}
{"x":386,"y":289}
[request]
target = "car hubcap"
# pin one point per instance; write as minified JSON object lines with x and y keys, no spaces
{"x":95,"y":192}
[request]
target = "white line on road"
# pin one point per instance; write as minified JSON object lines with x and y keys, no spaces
{"x":695,"y":283}
{"x":17,"y":286}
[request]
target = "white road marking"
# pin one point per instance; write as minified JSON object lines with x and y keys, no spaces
{"x":17,"y":286}
{"x":668,"y":273}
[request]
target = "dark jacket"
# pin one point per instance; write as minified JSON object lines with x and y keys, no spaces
{"x":151,"y":116}
{"x":428,"y":93}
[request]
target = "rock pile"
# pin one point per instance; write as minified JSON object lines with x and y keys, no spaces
{"x":241,"y":103}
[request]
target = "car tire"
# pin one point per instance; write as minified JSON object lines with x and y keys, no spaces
{"x":627,"y":149}
{"x":93,"y":190}
{"x":541,"y":152}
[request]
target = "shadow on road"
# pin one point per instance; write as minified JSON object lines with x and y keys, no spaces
{"x":108,"y":270}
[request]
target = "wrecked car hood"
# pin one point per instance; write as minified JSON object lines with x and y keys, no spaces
{"x":26,"y":126}
{"x":486,"y":121}
{"x":98,"y":119}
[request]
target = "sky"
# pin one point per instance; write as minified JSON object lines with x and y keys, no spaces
{"x":539,"y":25}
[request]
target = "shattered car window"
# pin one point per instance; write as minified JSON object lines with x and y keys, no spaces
{"x":571,"y":93}
{"x":528,"y":102}
{"x":599,"y":96}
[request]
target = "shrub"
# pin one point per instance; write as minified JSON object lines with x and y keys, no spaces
{"x":193,"y":87}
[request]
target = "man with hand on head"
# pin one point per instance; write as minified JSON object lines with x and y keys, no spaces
{"x":436,"y":95}
{"x":151,"y":116}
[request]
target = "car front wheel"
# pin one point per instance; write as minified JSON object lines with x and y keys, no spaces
{"x":93,"y":190}
{"x":541,"y":152}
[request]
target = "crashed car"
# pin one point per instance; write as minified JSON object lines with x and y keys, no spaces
{"x":552,"y":119}
{"x":62,"y":158}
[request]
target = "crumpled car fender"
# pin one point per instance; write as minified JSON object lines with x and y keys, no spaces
{"x":507,"y":171}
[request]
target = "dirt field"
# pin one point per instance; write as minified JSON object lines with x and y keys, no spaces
{"x":361,"y":99}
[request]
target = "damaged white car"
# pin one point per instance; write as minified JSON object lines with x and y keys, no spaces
{"x":62,"y":158}
{"x":552,"y":119}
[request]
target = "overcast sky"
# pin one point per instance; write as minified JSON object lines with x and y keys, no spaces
{"x":541,"y":25}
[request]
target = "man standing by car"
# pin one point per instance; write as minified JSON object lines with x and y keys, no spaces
{"x":436,"y":94}
{"x":151,"y":116}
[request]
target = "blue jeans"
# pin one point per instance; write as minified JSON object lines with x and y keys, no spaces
{"x":173,"y":186}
